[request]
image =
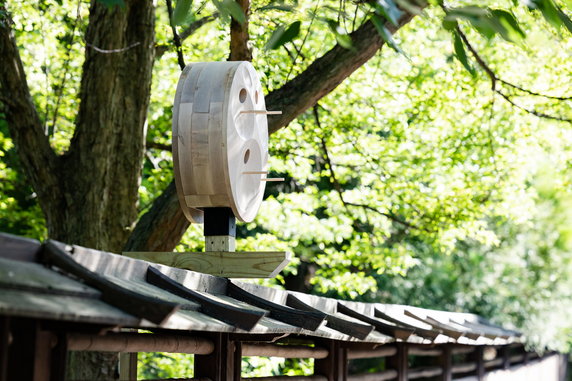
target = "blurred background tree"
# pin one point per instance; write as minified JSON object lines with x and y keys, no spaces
{"x":436,"y":174}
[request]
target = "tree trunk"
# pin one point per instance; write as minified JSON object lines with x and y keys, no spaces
{"x":89,"y":195}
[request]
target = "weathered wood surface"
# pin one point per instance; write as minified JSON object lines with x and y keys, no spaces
{"x":446,"y":330}
{"x":152,"y":309}
{"x":389,"y":374}
{"x":28,"y":276}
{"x":306,"y":320}
{"x":137,"y":342}
{"x":214,"y":144}
{"x":62,"y":308}
{"x":386,"y":329}
{"x":128,"y":268}
{"x":284,"y":351}
{"x":350,"y":328}
{"x":239,"y":317}
{"x":221,"y":263}
{"x":18,"y":248}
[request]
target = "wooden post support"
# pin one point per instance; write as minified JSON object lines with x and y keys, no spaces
{"x":29,"y":355}
{"x":446,"y":363}
{"x":128,"y":366}
{"x":221,"y":364}
{"x":219,"y":229}
{"x":400,"y":362}
{"x":505,"y":354}
{"x":477,"y":357}
{"x":335,"y":366}
{"x":4,"y":343}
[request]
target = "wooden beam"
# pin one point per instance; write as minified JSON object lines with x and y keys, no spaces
{"x":284,"y":351}
{"x":246,"y":264}
{"x":235,"y":316}
{"x":303,"y":319}
{"x":386,"y":329}
{"x":152,"y":309}
{"x":383,"y":351}
{"x":424,"y":333}
{"x":425,"y":372}
{"x":390,"y":374}
{"x":358,"y":330}
{"x":139,"y":342}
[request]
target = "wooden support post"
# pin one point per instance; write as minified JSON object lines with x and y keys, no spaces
{"x":221,"y":364}
{"x":4,"y":343}
{"x":128,"y":366}
{"x":219,"y":229}
{"x":477,"y":357}
{"x":400,"y":362}
{"x":29,"y":355}
{"x":505,"y":354}
{"x":335,"y":366}
{"x":59,"y":358}
{"x":446,"y":363}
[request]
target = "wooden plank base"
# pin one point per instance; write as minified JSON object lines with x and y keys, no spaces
{"x":245,"y":264}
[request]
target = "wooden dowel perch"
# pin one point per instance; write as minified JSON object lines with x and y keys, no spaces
{"x":255,"y":173}
{"x":261,"y":112}
{"x":273,"y":179}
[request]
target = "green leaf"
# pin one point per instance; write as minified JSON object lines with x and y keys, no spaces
{"x":228,"y":9}
{"x":388,"y":10}
{"x":385,"y":33}
{"x":565,"y":20}
{"x":235,"y":11}
{"x":112,"y":3}
{"x":282,"y":35}
{"x":181,"y":11}
{"x":480,"y":19}
{"x":461,"y":54}
{"x":341,"y":36}
{"x":510,"y":29}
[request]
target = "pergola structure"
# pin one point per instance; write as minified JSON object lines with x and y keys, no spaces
{"x":57,"y":298}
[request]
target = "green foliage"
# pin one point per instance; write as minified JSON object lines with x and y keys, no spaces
{"x":411,"y":183}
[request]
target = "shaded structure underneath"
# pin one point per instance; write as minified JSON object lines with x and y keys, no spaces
{"x":57,"y":298}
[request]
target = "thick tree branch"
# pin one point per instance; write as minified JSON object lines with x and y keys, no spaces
{"x":295,"y":97}
{"x":38,"y":159}
{"x":325,"y":74}
{"x":495,"y":79}
{"x":239,"y":38}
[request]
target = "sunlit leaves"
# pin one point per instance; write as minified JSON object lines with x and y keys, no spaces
{"x":341,"y":36}
{"x":385,"y":33}
{"x":230,"y":9}
{"x":283,"y":35}
{"x":181,"y":11}
{"x":460,"y":52}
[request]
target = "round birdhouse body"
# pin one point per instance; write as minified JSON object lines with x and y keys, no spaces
{"x":220,"y":139}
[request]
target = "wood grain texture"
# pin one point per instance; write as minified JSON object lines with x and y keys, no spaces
{"x":288,"y":315}
{"x":33,"y":277}
{"x":152,"y":309}
{"x":18,"y":248}
{"x":213,"y":143}
{"x":358,"y":330}
{"x":238,"y":317}
{"x":387,"y":329}
{"x":224,"y":264}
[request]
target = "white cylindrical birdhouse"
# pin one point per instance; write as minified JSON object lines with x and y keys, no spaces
{"x":220,"y":139}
